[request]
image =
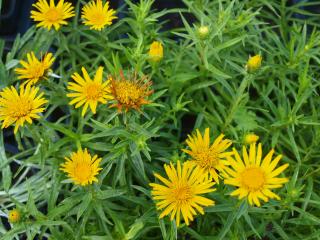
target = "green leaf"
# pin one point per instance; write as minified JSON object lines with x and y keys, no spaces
{"x":84,"y":204}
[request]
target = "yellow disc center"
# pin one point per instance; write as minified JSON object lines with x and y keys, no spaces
{"x":253,"y":178}
{"x":98,"y":19}
{"x":53,"y":15}
{"x":22,"y":108}
{"x":83,"y":171}
{"x":182,"y":193}
{"x":207,"y":158}
{"x":37,"y":71}
{"x":93,"y":91}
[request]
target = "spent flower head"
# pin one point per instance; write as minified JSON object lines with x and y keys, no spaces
{"x":130,"y":92}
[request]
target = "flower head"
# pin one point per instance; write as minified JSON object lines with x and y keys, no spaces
{"x":34,"y":70}
{"x":14,"y":216}
{"x":81,"y":167}
{"x":97,"y":16}
{"x":250,"y":138}
{"x":130,"y":93}
{"x":203,"y":31}
{"x":180,"y":193}
{"x":254,"y":63}
{"x":255,"y":178}
{"x":89,"y":92}
{"x":156,"y":51}
{"x":51,"y":15}
{"x":211,"y":158}
{"x":16,"y":108}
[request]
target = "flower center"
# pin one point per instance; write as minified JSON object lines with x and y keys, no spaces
{"x":182,"y":193}
{"x":93,"y":92}
{"x":127,"y":93}
{"x":98,"y":19}
{"x":37,"y":71}
{"x":207,"y":158}
{"x":21,"y":109}
{"x":53,"y":15}
{"x":82,"y":171}
{"x":253,"y":178}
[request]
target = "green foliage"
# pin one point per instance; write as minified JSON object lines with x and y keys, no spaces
{"x":199,"y":83}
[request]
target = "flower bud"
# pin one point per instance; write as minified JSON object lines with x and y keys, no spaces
{"x":203,"y":32}
{"x":14,"y":216}
{"x":156,"y":51}
{"x":254,"y":63}
{"x":250,"y":138}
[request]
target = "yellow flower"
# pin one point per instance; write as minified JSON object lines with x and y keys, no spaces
{"x":34,"y":70}
{"x":250,"y":138}
{"x":212,"y":158}
{"x":203,"y":31}
{"x":180,"y":193}
{"x":51,"y":15}
{"x":88,"y":92}
{"x":81,"y":167}
{"x":253,"y":177}
{"x":20,"y":107}
{"x":156,"y":51}
{"x":14,"y":216}
{"x":130,"y":93}
{"x":97,"y":15}
{"x":254,"y":63}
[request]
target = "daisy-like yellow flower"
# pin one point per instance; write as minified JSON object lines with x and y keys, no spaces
{"x":89,"y":92}
{"x":253,"y":177}
{"x":14,"y":216}
{"x":156,"y":51}
{"x":130,"y":93}
{"x":81,"y":167}
{"x":16,"y":108}
{"x":97,"y":16}
{"x":34,"y":70}
{"x":180,"y":193}
{"x":254,"y":63}
{"x":50,"y":15}
{"x":250,"y":138}
{"x":211,"y":158}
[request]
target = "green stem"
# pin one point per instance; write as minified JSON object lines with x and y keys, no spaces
{"x":239,"y":96}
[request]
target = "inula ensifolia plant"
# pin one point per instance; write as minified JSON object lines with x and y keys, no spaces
{"x":198,"y":122}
